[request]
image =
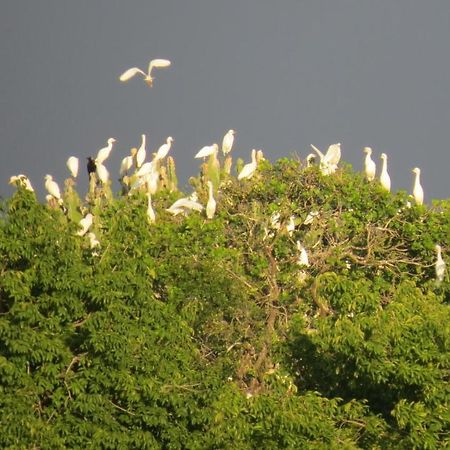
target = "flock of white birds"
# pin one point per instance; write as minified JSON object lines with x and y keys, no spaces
{"x":137,"y":173}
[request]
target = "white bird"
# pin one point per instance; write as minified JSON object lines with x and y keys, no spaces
{"x":275,"y":220}
{"x":227,"y":142}
{"x":329,"y":161}
{"x":102,"y":173}
{"x":85,"y":224}
{"x":22,"y":181}
{"x":93,"y":241}
{"x":164,"y":149}
{"x":125,"y":165}
{"x":146,"y":169}
{"x":141,"y":153}
{"x":52,"y":188}
{"x":150,"y":212}
{"x":154,"y":63}
{"x":211,"y":205}
{"x":104,"y":152}
{"x":259,"y":156}
{"x":72,"y":165}
{"x":310,"y":217}
{"x":249,"y":169}
{"x":418,"y":189}
{"x":370,"y":167}
{"x":439,"y":265}
{"x":183,"y":204}
{"x":303,"y":259}
{"x":310,"y":160}
{"x":207,"y":150}
{"x":385,"y":179}
{"x":290,"y":226}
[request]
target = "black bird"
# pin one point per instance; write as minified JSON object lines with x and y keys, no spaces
{"x":91,"y":166}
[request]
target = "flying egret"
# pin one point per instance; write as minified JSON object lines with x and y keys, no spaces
{"x":418,"y":189}
{"x":227,"y":142}
{"x":102,"y":173}
{"x":141,"y":152}
{"x":85,"y":224}
{"x":104,"y":152}
{"x":211,"y":205}
{"x":157,"y":63}
{"x":303,"y":259}
{"x":22,"y":181}
{"x":150,"y":212}
{"x":125,"y":165}
{"x":91,"y":165}
{"x":182,"y":204}
{"x":52,"y":188}
{"x":369,"y":165}
{"x":207,"y":150}
{"x":439,"y":265}
{"x":385,"y":179}
{"x":72,"y":165}
{"x":164,"y":149}
{"x":249,"y":169}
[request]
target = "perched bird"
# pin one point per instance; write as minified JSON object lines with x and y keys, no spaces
{"x":211,"y":205}
{"x":418,"y":189}
{"x":91,"y":165}
{"x":21,"y":180}
{"x":329,"y":161}
{"x":102,"y":173}
{"x":310,"y":217}
{"x":85,"y":224}
{"x":150,"y":212}
{"x":93,"y":241}
{"x":259,"y":156}
{"x":183,"y":204}
{"x":227,"y":142}
{"x":290,"y":226}
{"x":385,"y":179}
{"x":52,"y":188}
{"x":72,"y":165}
{"x":104,"y":152}
{"x":141,"y":152}
{"x":145,"y":169}
{"x":249,"y":169}
{"x":157,"y":63}
{"x":164,"y":149}
{"x":303,"y":259}
{"x":369,"y":165}
{"x":207,"y":150}
{"x":439,"y":265}
{"x":125,"y":165}
{"x":310,"y":160}
{"x":275,"y":220}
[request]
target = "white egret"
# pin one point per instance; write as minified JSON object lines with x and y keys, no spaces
{"x":102,"y":173}
{"x":249,"y":169}
{"x":211,"y":205}
{"x":72,"y":165}
{"x":141,"y":152}
{"x":194,"y":197}
{"x":310,"y":160}
{"x":145,"y":169}
{"x":150,"y":212}
{"x":52,"y":188}
{"x":439,"y":265}
{"x":93,"y":241}
{"x":290,"y":226}
{"x":385,"y":179}
{"x":154,"y":63}
{"x":104,"y":152}
{"x":183,"y":204}
{"x":303,"y":259}
{"x":275,"y":220}
{"x":259,"y":156}
{"x":164,"y":149}
{"x":310,"y":217}
{"x":207,"y":150}
{"x":125,"y":165}
{"x":329,"y":161}
{"x":85,"y":224}
{"x":418,"y":189}
{"x":227,"y":142}
{"x":22,"y":181}
{"x":370,"y":167}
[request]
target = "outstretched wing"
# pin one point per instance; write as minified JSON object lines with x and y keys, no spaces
{"x":158,"y":63}
{"x":130,"y":73}
{"x":318,"y":152}
{"x":333,"y":154}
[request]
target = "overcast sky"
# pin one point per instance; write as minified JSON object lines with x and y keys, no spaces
{"x":282,"y":74}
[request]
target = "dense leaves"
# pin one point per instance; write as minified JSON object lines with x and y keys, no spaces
{"x":195,"y":333}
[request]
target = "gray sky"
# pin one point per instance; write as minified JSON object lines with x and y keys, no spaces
{"x":282,"y":74}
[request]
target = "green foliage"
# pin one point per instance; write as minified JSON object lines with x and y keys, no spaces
{"x":203,"y":334}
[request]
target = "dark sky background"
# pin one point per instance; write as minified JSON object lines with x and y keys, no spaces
{"x":282,"y":74}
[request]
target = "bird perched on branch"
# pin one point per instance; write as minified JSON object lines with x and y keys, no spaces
{"x":206,"y":151}
{"x":211,"y":205}
{"x":227,"y":143}
{"x":249,"y":169}
{"x":385,"y":179}
{"x":417,"y":189}
{"x":439,"y":265}
{"x":72,"y":165}
{"x":91,"y":165}
{"x":104,"y":152}
{"x":164,"y":149}
{"x":22,"y":181}
{"x":370,"y":167}
{"x":52,"y":188}
{"x":329,"y":161}
{"x":154,"y":63}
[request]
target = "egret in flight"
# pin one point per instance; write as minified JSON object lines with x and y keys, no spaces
{"x":385,"y":179}
{"x":369,"y":165}
{"x":72,"y":165}
{"x":249,"y":169}
{"x":418,"y":189}
{"x":154,"y":63}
